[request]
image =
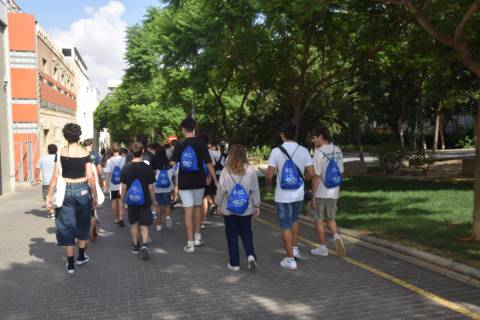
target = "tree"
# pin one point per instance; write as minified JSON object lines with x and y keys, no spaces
{"x":448,"y":27}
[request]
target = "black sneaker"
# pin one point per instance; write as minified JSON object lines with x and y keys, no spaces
{"x":70,"y":269}
{"x":84,"y":260}
{"x":121,"y":223}
{"x":145,"y":253}
{"x":135,"y":249}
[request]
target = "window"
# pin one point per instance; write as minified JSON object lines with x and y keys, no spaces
{"x":67,"y":52}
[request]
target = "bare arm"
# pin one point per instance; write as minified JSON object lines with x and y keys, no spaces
{"x":269,"y":178}
{"x":91,"y":182}
{"x":151,"y":190}
{"x":213,"y":173}
{"x":51,"y":187}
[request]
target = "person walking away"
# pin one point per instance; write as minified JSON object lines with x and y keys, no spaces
{"x":113,"y":170}
{"x":150,"y":152}
{"x":290,"y":161}
{"x":210,"y":189}
{"x":164,"y":188}
{"x":137,"y":192}
{"x":73,"y":217}
{"x":46,"y":165}
{"x":96,"y":159}
{"x":192,"y":154}
{"x":328,"y":164}
{"x":238,"y":195}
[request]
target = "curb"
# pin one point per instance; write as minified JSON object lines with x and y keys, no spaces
{"x":417,"y":257}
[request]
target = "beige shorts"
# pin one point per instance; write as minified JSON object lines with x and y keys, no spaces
{"x":326,"y":209}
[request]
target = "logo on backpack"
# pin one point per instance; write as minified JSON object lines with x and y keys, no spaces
{"x":135,"y":196}
{"x":238,"y":199}
{"x":116,"y":174}
{"x":163,"y":179}
{"x":189,"y":160}
{"x":291,"y":178}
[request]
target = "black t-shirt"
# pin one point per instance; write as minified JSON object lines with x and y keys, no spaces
{"x":148,"y":156}
{"x":192,"y":180}
{"x":142,"y":172}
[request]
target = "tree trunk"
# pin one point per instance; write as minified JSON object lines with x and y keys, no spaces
{"x":438,"y":111}
{"x":442,"y":135}
{"x":360,"y":147}
{"x":476,"y":196}
{"x":297,"y":117}
{"x":400,"y":131}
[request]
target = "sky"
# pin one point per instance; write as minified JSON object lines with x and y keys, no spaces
{"x":95,"y":27}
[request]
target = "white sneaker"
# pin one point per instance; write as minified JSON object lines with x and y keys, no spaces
{"x":296,"y":253}
{"x":320,"y":251}
{"x":252,"y":264}
{"x":168,"y":222}
{"x":189,"y":248}
{"x":237,"y":268}
{"x":289,"y":263}
{"x":341,"y":251}
{"x":199,"y":242}
{"x":159,"y":227}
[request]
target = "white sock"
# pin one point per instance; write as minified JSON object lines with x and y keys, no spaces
{"x":336,"y":236}
{"x":198,"y":236}
{"x":323,"y":246}
{"x":190,"y":243}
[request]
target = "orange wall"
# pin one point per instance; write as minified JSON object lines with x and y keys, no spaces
{"x":24,"y":83}
{"x":21,"y":33}
{"x":20,"y":153}
{"x":25,"y":113}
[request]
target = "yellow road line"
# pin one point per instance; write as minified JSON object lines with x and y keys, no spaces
{"x":426,"y":294}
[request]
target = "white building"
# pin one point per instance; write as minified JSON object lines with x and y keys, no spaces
{"x":87,"y":97}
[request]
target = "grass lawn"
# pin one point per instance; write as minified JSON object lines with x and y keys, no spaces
{"x":432,"y":216}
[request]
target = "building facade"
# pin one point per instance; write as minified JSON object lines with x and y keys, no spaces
{"x":87,"y":97}
{"x":42,"y":91}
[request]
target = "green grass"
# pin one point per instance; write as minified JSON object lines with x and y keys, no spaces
{"x":432,"y":216}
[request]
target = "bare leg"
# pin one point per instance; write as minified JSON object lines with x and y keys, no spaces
{"x":134,"y":233}
{"x":332,"y":226}
{"x":159,"y":215}
{"x":167,"y":210}
{"x":69,"y":251}
{"x":320,"y":231}
{"x":205,"y":207}
{"x":288,"y":242}
{"x":295,"y":232}
{"x":119,"y":212}
{"x":144,"y":234}
{"x":198,"y":215}
{"x":188,"y":212}
{"x":115,"y":210}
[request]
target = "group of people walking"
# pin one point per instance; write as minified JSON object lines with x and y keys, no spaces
{"x":147,"y":179}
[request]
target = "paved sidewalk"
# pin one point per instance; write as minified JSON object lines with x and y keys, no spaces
{"x":177,"y":285}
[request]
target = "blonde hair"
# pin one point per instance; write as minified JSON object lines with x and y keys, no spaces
{"x":237,"y":160}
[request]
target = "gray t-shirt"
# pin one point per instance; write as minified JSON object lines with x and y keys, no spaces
{"x":46,"y":163}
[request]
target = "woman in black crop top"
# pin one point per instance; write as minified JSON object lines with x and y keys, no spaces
{"x":73,"y":217}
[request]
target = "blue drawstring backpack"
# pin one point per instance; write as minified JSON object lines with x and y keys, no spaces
{"x":135,"y":196}
{"x":163,"y":180}
{"x":116,"y":174}
{"x":238,"y":198}
{"x":189,"y":160}
{"x":291,"y":177}
{"x":333,"y":177}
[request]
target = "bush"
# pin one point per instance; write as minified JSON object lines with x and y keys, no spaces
{"x":419,"y":159}
{"x":466,"y":142}
{"x":259,"y":154}
{"x":390,"y":157}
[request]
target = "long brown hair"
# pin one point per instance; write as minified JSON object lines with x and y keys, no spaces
{"x":237,"y":160}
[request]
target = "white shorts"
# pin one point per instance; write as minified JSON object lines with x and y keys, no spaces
{"x":192,"y":198}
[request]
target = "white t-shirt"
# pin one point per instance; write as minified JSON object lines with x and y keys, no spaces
{"x":320,"y":164}
{"x":217,"y":156}
{"x":111,"y":164}
{"x":47,"y":164}
{"x":164,"y":190}
{"x":302,"y":159}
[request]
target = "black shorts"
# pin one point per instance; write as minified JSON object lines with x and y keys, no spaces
{"x":211,"y":190}
{"x":114,"y":194}
{"x":140,"y":215}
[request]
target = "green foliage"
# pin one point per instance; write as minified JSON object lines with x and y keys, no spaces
{"x":391,"y":157}
{"x":466,"y":143}
{"x":259,"y":154}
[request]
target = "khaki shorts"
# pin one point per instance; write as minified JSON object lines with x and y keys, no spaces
{"x":326,"y":209}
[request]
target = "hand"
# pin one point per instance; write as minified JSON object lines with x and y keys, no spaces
{"x":313,"y":203}
{"x":94,"y":202}
{"x":256,"y":212}
{"x":175,"y":194}
{"x":48,"y":203}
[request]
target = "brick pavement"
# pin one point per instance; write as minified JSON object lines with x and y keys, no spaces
{"x":177,"y":285}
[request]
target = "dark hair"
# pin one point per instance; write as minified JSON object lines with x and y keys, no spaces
{"x":137,"y":149}
{"x":52,"y":149}
{"x":72,"y":132}
{"x":124,"y":151}
{"x":204,"y":137}
{"x":88,"y":142}
{"x":188,"y":124}
{"x":154,"y":146}
{"x":142,"y":138}
{"x":289,"y":130}
{"x":161,"y":154}
{"x":115,"y":147}
{"x":320,"y":131}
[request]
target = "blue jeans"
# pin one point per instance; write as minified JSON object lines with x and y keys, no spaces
{"x":164,"y":199}
{"x":73,"y":218}
{"x":239,"y":226}
{"x":288,"y":213}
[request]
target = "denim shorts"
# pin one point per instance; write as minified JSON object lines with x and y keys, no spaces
{"x":288,"y":213}
{"x":73,"y":217}
{"x":164,"y":199}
